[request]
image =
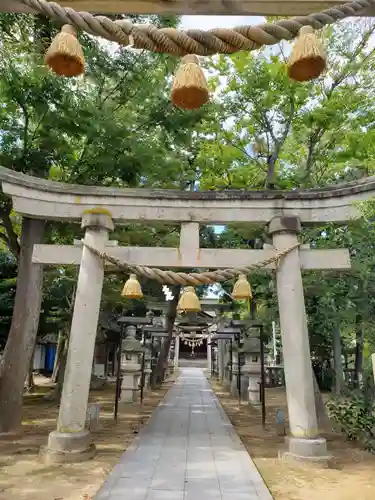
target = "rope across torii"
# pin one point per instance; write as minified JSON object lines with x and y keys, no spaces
{"x":182,"y":42}
{"x":190,"y":90}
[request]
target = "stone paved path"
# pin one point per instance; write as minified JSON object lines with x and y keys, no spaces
{"x":188,"y":451}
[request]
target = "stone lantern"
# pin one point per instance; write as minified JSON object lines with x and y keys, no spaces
{"x":235,"y":371}
{"x":252,"y":368}
{"x":228,"y":366}
{"x":131,"y":350}
{"x":148,"y":370}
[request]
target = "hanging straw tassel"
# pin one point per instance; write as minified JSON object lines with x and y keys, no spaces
{"x":189,"y":89}
{"x":132,"y":288}
{"x":242,"y":289}
{"x":189,"y":301}
{"x":65,"y":55}
{"x":309,"y":58}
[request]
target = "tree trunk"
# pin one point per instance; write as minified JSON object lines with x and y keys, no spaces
{"x":60,"y":377}
{"x":59,"y":352}
{"x":11,"y":235}
{"x":321,"y":410}
{"x":358,"y":350}
{"x":61,"y":355}
{"x":161,"y":365}
{"x":55,"y":394}
{"x":64,"y":357}
{"x":271,"y":174}
{"x":30,"y":384}
{"x":337,"y":361}
{"x":346,"y":361}
{"x":24,"y":327}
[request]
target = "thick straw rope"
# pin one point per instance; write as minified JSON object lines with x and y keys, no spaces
{"x":204,"y":43}
{"x":205,"y":278}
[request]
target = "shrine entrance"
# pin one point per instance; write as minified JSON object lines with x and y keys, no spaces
{"x":197,"y":351}
{"x":99,"y":209}
{"x":193,"y":354}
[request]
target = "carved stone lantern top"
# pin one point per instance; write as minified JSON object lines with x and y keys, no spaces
{"x":251,"y":346}
{"x":130,"y":343}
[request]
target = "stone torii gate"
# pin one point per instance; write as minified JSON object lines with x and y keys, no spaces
{"x":98,"y":208}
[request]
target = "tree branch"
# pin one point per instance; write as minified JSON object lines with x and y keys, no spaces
{"x":10,"y":235}
{"x":278,"y":143}
{"x":4,"y":238}
{"x":269,"y":128}
{"x":346,"y":72}
{"x":25,"y":134}
{"x":318,"y":133}
{"x":38,"y":125}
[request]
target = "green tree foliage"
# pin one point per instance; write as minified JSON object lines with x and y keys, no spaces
{"x":116,"y":127}
{"x":273,"y":132}
{"x":8,"y":273}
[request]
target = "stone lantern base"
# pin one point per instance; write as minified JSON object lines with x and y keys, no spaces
{"x":253,"y":388}
{"x":130,"y":386}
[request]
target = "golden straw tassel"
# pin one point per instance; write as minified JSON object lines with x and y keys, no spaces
{"x":65,"y":55}
{"x":189,"y":301}
{"x":132,"y":288}
{"x":308,"y":59}
{"x":242,"y":289}
{"x":189,"y":89}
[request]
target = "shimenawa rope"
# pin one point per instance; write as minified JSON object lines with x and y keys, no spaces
{"x":179,"y":278}
{"x":204,"y":43}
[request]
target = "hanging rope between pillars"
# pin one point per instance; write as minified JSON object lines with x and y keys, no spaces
{"x":181,"y":278}
{"x":182,"y":42}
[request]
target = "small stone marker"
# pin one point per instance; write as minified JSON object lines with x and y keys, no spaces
{"x":280,"y":422}
{"x":93,"y":416}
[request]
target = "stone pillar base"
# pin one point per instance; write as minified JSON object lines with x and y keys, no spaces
{"x":253,"y":399}
{"x":234,"y":387}
{"x":133,"y":399}
{"x":66,"y":447}
{"x":312,"y":450}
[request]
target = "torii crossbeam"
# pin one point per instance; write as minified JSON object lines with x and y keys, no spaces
{"x":189,"y":255}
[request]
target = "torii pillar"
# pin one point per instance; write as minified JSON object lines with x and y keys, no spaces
{"x":44,"y":199}
{"x":71,"y":441}
{"x":304,"y":440}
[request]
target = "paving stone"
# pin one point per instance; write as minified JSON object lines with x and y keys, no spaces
{"x":165,"y":495}
{"x":126,"y":494}
{"x":202,"y":495}
{"x":135,"y":485}
{"x":188,"y":451}
{"x":240,"y":496}
{"x":168,"y":482}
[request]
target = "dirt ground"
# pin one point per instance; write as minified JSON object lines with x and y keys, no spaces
{"x":350,"y":475}
{"x":24,"y":476}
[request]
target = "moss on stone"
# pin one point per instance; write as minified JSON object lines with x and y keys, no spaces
{"x":98,"y":210}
